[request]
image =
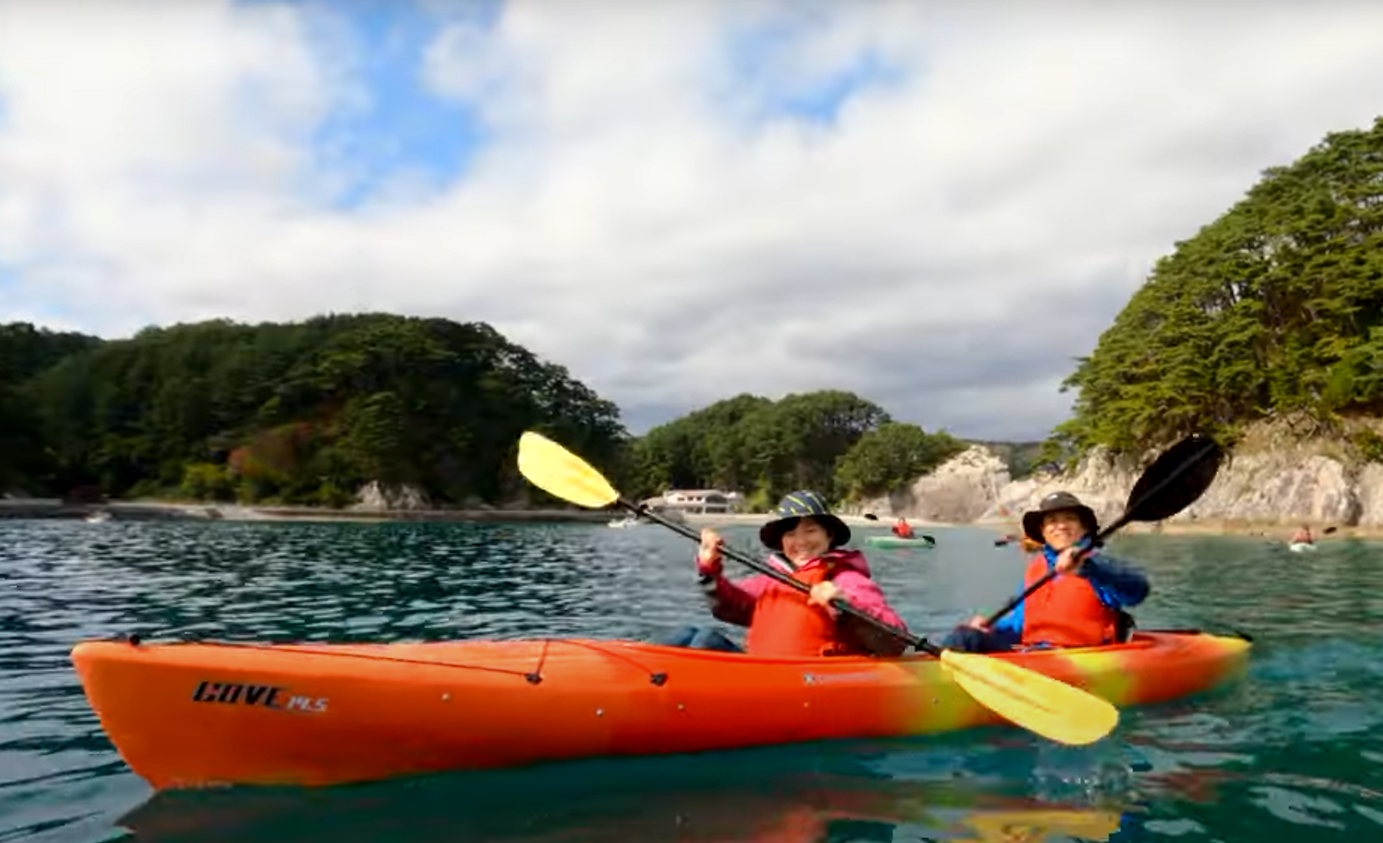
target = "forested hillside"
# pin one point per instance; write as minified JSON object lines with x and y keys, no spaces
{"x":831,"y":440}
{"x":308,"y":412}
{"x":26,"y":351}
{"x":1276,"y":307}
{"x":303,"y":412}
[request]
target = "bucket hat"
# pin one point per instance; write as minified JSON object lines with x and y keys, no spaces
{"x":1056,"y":502}
{"x":795,"y":506}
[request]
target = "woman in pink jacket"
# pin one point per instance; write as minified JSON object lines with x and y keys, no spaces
{"x":806,"y":540}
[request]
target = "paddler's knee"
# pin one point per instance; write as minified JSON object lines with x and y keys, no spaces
{"x":701,"y":638}
{"x":968,"y":639}
{"x":710,"y":638}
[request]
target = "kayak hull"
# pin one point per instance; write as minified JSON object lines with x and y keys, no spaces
{"x":1301,"y":547}
{"x":215,"y":714}
{"x":896,"y":541}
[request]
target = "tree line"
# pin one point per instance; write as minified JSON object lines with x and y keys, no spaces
{"x":832,"y":441}
{"x":301,"y":413}
{"x":308,"y":412}
{"x":1273,"y":308}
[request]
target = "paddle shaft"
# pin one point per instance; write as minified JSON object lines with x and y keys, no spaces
{"x":768,"y":570}
{"x":1130,"y":513}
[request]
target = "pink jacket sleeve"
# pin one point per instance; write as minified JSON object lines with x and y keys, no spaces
{"x":864,"y":594}
{"x":733,"y":602}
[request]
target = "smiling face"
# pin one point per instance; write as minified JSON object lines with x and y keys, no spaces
{"x":806,"y":540}
{"x":1062,"y":528}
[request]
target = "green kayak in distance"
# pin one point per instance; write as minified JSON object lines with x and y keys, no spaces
{"x":896,"y":541}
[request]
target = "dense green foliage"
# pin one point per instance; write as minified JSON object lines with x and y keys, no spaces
{"x":1275,"y":307}
{"x":890,"y":456}
{"x":831,"y":441}
{"x":24,"y":352}
{"x":308,"y":412}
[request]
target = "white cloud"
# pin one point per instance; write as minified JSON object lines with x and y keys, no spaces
{"x":637,"y":219}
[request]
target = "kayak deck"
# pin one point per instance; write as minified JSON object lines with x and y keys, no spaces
{"x":205,"y":714}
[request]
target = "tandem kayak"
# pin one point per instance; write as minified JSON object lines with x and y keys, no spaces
{"x":186,"y":715}
{"x":898,"y":541}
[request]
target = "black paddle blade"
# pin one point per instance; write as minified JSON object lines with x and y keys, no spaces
{"x":1176,"y":479}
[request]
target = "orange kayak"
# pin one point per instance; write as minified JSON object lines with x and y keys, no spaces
{"x":207,"y":714}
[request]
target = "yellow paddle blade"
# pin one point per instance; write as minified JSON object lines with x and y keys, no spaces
{"x":563,"y":474}
{"x":1038,"y":703}
{"x":1033,"y":826}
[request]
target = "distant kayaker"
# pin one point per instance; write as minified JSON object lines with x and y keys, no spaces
{"x":1302,"y":536}
{"x":1009,"y":538}
{"x":902,"y":529}
{"x":783,"y":621}
{"x":1083,"y":606}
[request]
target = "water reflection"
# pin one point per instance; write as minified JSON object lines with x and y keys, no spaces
{"x":1293,"y":752}
{"x":755,"y":798}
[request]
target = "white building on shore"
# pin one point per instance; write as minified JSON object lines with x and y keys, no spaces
{"x":696,"y":501}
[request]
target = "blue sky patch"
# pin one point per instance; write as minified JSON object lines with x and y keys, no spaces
{"x":761,"y":60}
{"x":403,"y":131}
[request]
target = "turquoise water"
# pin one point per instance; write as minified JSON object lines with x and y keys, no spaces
{"x":1294,"y":752}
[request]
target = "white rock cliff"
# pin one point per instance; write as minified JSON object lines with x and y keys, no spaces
{"x":378,"y":497}
{"x":1267,"y":480}
{"x":959,"y":490}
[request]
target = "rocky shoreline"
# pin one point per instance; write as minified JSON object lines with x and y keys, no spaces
{"x":1271,"y":530}
{"x":1278,"y":478}
{"x":50,"y":509}
{"x":156,"y":510}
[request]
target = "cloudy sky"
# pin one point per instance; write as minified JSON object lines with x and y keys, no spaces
{"x":935,"y":205}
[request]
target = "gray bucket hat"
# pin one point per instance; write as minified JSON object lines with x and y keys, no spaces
{"x":1056,"y":502}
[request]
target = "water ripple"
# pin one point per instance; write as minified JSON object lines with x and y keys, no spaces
{"x":1294,"y":752}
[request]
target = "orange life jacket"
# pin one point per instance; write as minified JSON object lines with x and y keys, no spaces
{"x":784,"y":625}
{"x":1066,"y":612}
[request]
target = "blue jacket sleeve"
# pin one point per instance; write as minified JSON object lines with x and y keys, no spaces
{"x":1012,"y":623}
{"x":1118,"y":585}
